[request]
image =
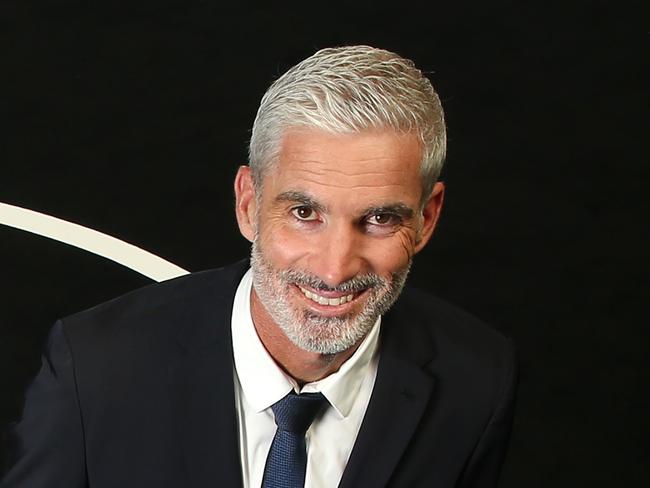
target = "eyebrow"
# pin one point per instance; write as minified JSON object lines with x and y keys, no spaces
{"x":302,"y":198}
{"x":398,"y":208}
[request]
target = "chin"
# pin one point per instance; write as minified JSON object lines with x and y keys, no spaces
{"x":326,"y":335}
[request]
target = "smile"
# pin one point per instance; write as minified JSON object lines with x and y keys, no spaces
{"x":321,"y":300}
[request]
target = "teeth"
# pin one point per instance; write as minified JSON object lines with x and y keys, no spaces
{"x":326,"y":301}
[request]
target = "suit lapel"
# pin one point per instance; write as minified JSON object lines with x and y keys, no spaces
{"x":401,"y":392}
{"x":202,"y":388}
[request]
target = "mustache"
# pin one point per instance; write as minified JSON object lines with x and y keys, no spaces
{"x":353,"y":285}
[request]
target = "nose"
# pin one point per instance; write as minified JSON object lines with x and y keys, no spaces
{"x":337,"y":254}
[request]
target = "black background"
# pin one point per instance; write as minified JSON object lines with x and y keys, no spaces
{"x":132,"y":117}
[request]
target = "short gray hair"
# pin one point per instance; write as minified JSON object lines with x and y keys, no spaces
{"x":346,"y":90}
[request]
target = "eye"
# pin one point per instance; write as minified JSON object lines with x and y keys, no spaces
{"x":383,"y":219}
{"x":304,"y":213}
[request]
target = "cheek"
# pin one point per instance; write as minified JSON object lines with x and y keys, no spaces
{"x":392,"y":254}
{"x":408,"y":242}
{"x":281,"y":244}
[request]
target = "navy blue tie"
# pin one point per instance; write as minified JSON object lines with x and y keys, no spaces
{"x":286,"y":462}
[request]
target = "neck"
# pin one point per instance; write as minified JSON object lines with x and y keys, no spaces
{"x":303,"y":366}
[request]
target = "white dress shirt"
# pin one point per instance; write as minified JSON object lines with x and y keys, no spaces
{"x":260,"y":382}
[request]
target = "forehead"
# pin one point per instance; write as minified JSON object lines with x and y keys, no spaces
{"x":377,"y":165}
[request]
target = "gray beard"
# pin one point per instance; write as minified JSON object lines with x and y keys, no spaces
{"x":308,"y":330}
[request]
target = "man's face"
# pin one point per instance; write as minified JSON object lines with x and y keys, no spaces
{"x":334,"y":232}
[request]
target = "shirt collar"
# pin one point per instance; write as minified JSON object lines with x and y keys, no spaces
{"x":264,"y":383}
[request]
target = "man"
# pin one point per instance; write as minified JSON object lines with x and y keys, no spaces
{"x":182,"y":383}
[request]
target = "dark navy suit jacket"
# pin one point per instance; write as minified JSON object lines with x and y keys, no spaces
{"x":138,"y":392}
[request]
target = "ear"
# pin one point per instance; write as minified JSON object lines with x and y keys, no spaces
{"x":245,"y":203}
{"x":430,"y":215}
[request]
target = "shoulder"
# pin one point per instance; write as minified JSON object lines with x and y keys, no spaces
{"x":159,"y":306}
{"x":444,"y":321}
{"x":453,"y":344}
{"x":441,"y":320}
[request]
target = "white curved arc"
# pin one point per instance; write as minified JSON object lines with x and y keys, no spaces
{"x":90,"y":240}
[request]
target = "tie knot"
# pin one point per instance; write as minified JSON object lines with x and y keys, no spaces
{"x":295,"y":413}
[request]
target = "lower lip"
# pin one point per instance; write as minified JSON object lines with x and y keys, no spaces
{"x":330,"y":310}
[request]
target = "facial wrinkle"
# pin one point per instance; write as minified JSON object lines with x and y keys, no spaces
{"x":311,"y":178}
{"x":321,"y":167}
